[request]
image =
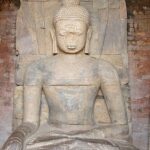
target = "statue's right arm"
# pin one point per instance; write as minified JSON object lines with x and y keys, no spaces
{"x":17,"y":138}
{"x":31,"y":97}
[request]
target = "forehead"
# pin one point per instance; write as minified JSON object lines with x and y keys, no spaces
{"x":69,"y":24}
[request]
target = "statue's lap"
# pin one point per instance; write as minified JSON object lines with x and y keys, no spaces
{"x":73,"y":137}
{"x":65,"y":137}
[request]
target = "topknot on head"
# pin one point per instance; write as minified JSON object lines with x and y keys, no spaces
{"x":71,"y":2}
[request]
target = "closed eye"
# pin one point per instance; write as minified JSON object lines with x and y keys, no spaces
{"x":79,"y":32}
{"x":62,"y":33}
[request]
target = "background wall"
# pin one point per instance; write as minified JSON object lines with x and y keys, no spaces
{"x":139,"y":72}
{"x":7,"y":49}
{"x":139,"y":69}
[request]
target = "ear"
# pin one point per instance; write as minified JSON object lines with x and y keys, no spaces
{"x":54,"y":43}
{"x":88,"y":39}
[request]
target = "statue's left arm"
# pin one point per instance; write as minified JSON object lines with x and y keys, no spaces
{"x":111,"y":89}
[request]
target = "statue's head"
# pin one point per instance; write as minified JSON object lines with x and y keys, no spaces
{"x":71,"y":25}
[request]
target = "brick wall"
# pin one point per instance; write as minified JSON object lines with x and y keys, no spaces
{"x":7,"y":49}
{"x":139,"y":73}
{"x":139,"y":62}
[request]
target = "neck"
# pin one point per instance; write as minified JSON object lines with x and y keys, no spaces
{"x":71,"y":54}
{"x":71,"y":57}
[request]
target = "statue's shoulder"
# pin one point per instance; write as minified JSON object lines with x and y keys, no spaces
{"x":105,"y":65}
{"x":101,"y":63}
{"x":35,"y":70}
{"x":39,"y":64}
{"x":107,"y":71}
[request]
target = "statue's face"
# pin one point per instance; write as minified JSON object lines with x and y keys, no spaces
{"x":71,"y":35}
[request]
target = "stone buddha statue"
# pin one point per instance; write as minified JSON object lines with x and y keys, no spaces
{"x":70,"y":81}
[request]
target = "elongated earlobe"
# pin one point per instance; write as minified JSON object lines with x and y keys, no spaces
{"x":88,"y":39}
{"x":54,"y":43}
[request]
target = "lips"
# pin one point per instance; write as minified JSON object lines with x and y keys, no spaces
{"x":71,"y":47}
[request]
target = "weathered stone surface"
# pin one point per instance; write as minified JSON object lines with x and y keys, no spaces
{"x":18,"y":108}
{"x":70,"y":92}
{"x":101,"y":108}
{"x":34,"y":22}
{"x":23,"y":61}
{"x":38,"y":15}
{"x":31,"y":30}
{"x":32,"y":16}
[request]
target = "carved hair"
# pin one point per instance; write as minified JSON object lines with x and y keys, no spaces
{"x":72,"y":10}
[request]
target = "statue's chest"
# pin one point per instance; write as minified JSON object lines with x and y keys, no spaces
{"x":71,"y":74}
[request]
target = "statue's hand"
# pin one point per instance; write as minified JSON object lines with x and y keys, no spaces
{"x":18,"y":137}
{"x":13,"y":144}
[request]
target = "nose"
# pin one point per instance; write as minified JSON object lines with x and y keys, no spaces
{"x":71,"y":44}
